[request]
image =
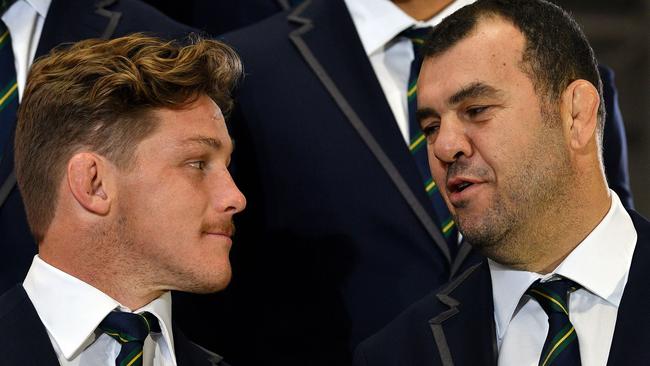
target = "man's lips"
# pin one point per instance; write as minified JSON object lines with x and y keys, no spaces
{"x":459,"y":184}
{"x":459,"y":188}
{"x":219,"y":234}
{"x":227,"y":231}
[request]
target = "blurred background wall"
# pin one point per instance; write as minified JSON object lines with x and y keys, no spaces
{"x":619,"y":32}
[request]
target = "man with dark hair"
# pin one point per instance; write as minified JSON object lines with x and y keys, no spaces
{"x":121,"y":155}
{"x":510,"y":100}
{"x":346,"y":228}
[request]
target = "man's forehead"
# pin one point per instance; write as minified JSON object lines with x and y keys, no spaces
{"x":492,"y":37}
{"x":218,"y":115}
{"x":488,"y":54}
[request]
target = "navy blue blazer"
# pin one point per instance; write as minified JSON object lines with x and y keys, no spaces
{"x":338,"y":235}
{"x":220,"y":16}
{"x":455,"y":325}
{"x":24,"y":339}
{"x":66,"y":21}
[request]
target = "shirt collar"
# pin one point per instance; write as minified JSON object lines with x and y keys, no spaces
{"x":41,"y":6}
{"x":609,"y":246}
{"x":161,"y":308}
{"x":602,"y":261}
{"x":379,"y":21}
{"x":71,"y":309}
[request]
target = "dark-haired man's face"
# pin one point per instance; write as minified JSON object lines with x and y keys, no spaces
{"x":176,"y":205}
{"x":499,"y":157}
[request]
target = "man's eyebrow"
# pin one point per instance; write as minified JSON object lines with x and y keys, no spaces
{"x":473,"y":90}
{"x":210,"y":142}
{"x":424,"y":113}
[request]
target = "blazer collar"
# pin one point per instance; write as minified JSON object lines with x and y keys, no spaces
{"x":30,"y":344}
{"x":191,"y":354}
{"x":468,"y":322}
{"x":326,"y":38}
{"x":93,"y":20}
{"x":632,"y":334}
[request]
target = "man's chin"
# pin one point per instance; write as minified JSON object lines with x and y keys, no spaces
{"x":207,"y":284}
{"x":480,"y":235}
{"x":218,"y":284}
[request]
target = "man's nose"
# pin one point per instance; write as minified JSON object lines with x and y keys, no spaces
{"x":451,"y":141}
{"x":229,"y":198}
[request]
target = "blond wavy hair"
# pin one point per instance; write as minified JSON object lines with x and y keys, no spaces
{"x":98,"y":95}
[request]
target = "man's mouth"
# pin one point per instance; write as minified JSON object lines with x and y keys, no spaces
{"x":222,"y":230}
{"x":462,"y":186}
{"x":457,"y":185}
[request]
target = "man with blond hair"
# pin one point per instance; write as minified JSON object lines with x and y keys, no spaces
{"x":121,"y":155}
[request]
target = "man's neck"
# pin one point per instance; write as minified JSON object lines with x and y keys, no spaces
{"x":105,"y":274}
{"x":422,"y":10}
{"x":564,"y":229}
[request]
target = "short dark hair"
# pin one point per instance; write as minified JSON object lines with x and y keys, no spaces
{"x":556,"y":53}
{"x":99,"y":95}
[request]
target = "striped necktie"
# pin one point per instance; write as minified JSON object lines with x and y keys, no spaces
{"x":417,"y":144}
{"x":561,"y":345}
{"x":130,"y":330}
{"x":8,"y":85}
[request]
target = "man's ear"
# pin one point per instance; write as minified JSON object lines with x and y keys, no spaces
{"x":87,"y":173}
{"x":580,"y":101}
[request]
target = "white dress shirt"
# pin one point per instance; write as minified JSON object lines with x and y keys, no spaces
{"x":25,"y":19}
{"x":71,"y":310}
{"x":600,"y":264}
{"x":377,"y":23}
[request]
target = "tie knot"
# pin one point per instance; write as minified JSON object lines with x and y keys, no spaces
{"x":552,"y":295}
{"x":416,"y":35}
{"x":129,"y":327}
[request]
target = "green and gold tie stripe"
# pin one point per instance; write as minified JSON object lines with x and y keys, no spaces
{"x":417,"y":144}
{"x":561,"y":347}
{"x":130,"y":330}
{"x":8,"y":89}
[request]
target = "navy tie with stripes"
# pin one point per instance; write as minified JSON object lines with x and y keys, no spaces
{"x":561,"y":346}
{"x":130,"y":330}
{"x":8,"y":87}
{"x":417,"y":144}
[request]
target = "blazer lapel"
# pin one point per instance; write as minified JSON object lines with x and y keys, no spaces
{"x":28,"y":342}
{"x":326,"y":38}
{"x":465,"y":333}
{"x":632,"y":334}
{"x":94,"y":20}
{"x":190,"y":354}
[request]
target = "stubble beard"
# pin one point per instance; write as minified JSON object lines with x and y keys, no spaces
{"x":161,"y":270}
{"x":510,"y":229}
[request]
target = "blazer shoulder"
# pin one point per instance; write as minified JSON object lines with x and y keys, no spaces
{"x":138,"y":16}
{"x":272,"y":29}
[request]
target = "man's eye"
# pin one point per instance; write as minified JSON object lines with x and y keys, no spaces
{"x":430,"y":129}
{"x":475,"y":111}
{"x":198,"y":164}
